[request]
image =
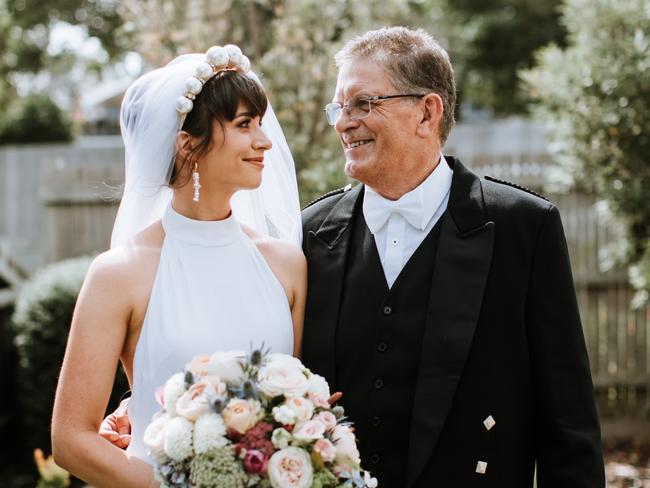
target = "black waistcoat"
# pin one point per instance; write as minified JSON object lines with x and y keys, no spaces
{"x":378,"y":343}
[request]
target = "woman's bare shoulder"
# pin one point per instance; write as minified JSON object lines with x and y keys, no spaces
{"x":123,"y":263}
{"x":284,"y":253}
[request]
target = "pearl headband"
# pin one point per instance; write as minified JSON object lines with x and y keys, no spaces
{"x":217,"y":59}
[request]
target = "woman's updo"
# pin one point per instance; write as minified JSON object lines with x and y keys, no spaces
{"x":219,"y":100}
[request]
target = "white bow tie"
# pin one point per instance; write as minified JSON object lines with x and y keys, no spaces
{"x":377,"y":209}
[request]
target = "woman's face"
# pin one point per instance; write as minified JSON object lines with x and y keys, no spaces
{"x":236,"y":157}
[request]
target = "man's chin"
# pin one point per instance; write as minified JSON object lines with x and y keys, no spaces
{"x":355,"y":169}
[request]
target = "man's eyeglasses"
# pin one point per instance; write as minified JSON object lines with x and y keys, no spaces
{"x":359,"y":108}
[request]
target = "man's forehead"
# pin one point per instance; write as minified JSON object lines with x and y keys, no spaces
{"x":361,"y":76}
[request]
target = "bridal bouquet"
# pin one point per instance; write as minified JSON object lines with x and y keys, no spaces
{"x":258,"y":420}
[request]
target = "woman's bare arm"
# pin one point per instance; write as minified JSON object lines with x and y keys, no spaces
{"x":97,"y":337}
{"x":299,"y":266}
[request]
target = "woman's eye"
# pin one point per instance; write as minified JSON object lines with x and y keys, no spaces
{"x":245,"y":123}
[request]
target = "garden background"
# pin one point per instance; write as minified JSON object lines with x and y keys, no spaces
{"x":553,"y":95}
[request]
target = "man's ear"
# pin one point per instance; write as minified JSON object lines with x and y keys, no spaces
{"x":432,"y":112}
{"x":184,"y":144}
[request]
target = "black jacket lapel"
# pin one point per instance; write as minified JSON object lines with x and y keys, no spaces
{"x":460,"y":273}
{"x":326,"y":250}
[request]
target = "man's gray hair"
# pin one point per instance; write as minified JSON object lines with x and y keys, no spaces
{"x":415,"y":62}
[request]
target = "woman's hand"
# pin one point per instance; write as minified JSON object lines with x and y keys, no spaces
{"x":116,"y":428}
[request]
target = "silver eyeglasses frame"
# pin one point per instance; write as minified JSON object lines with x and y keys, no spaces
{"x":360,"y":108}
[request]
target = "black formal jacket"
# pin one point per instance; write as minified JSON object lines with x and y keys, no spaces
{"x":503,"y":339}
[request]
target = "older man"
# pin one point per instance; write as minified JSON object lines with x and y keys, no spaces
{"x":442,"y":304}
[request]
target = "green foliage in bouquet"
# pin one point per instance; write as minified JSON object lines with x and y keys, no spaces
{"x":218,"y":467}
{"x":41,"y":323}
{"x":595,"y":97}
{"x":34,"y":118}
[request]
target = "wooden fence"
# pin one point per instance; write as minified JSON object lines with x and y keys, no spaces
{"x":59,"y":201}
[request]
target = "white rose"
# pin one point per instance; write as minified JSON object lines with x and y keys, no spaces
{"x":286,"y":358}
{"x":209,"y":432}
{"x":281,"y":438}
{"x":346,"y":445}
{"x":318,"y":386}
{"x":309,"y":430}
{"x":283,"y":375}
{"x":241,"y":415}
{"x":227,"y":365}
{"x":178,"y":439}
{"x":154,"y":435}
{"x":290,"y":468}
{"x":285,"y":415}
{"x":174,"y":388}
{"x":303,"y":407}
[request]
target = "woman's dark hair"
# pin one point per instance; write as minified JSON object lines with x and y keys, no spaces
{"x":219,"y":100}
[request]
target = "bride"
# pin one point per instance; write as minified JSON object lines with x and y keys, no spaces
{"x":196,"y":264}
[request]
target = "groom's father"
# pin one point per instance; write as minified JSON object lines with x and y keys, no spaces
{"x":442,"y":304}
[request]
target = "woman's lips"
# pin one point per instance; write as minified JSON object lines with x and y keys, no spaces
{"x":259,"y":162}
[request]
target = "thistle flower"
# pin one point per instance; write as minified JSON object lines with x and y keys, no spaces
{"x":256,"y":357}
{"x":189,"y":379}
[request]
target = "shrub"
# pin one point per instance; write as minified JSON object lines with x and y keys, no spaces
{"x":595,"y":96}
{"x":41,"y":323}
{"x":34,"y":118}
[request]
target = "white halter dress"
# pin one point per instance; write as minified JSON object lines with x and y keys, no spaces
{"x":213,"y":291}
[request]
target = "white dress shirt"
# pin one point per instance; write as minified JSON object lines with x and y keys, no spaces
{"x":400,"y":226}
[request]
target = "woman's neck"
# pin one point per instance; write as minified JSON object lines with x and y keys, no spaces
{"x":212,"y":207}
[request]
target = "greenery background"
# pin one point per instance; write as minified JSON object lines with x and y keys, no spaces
{"x":580,"y":66}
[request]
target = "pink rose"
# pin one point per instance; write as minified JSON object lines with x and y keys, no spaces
{"x":309,"y":430}
{"x":160,"y":395}
{"x":290,"y":468}
{"x":318,"y":401}
{"x":326,"y":449}
{"x":255,"y":462}
{"x":195,"y":401}
{"x":318,"y":391}
{"x":328,"y":419}
{"x":241,"y":415}
{"x":198,"y":365}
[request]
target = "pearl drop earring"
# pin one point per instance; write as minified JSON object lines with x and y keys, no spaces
{"x":197,"y":185}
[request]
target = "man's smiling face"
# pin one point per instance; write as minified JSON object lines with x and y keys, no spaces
{"x":379,"y":145}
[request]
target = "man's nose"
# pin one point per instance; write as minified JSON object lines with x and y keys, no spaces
{"x":345,"y":122}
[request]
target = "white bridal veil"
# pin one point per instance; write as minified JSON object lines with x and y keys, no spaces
{"x":150,"y":123}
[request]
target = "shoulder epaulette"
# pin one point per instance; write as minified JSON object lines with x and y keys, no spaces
{"x":328,"y":194}
{"x":514,"y":185}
